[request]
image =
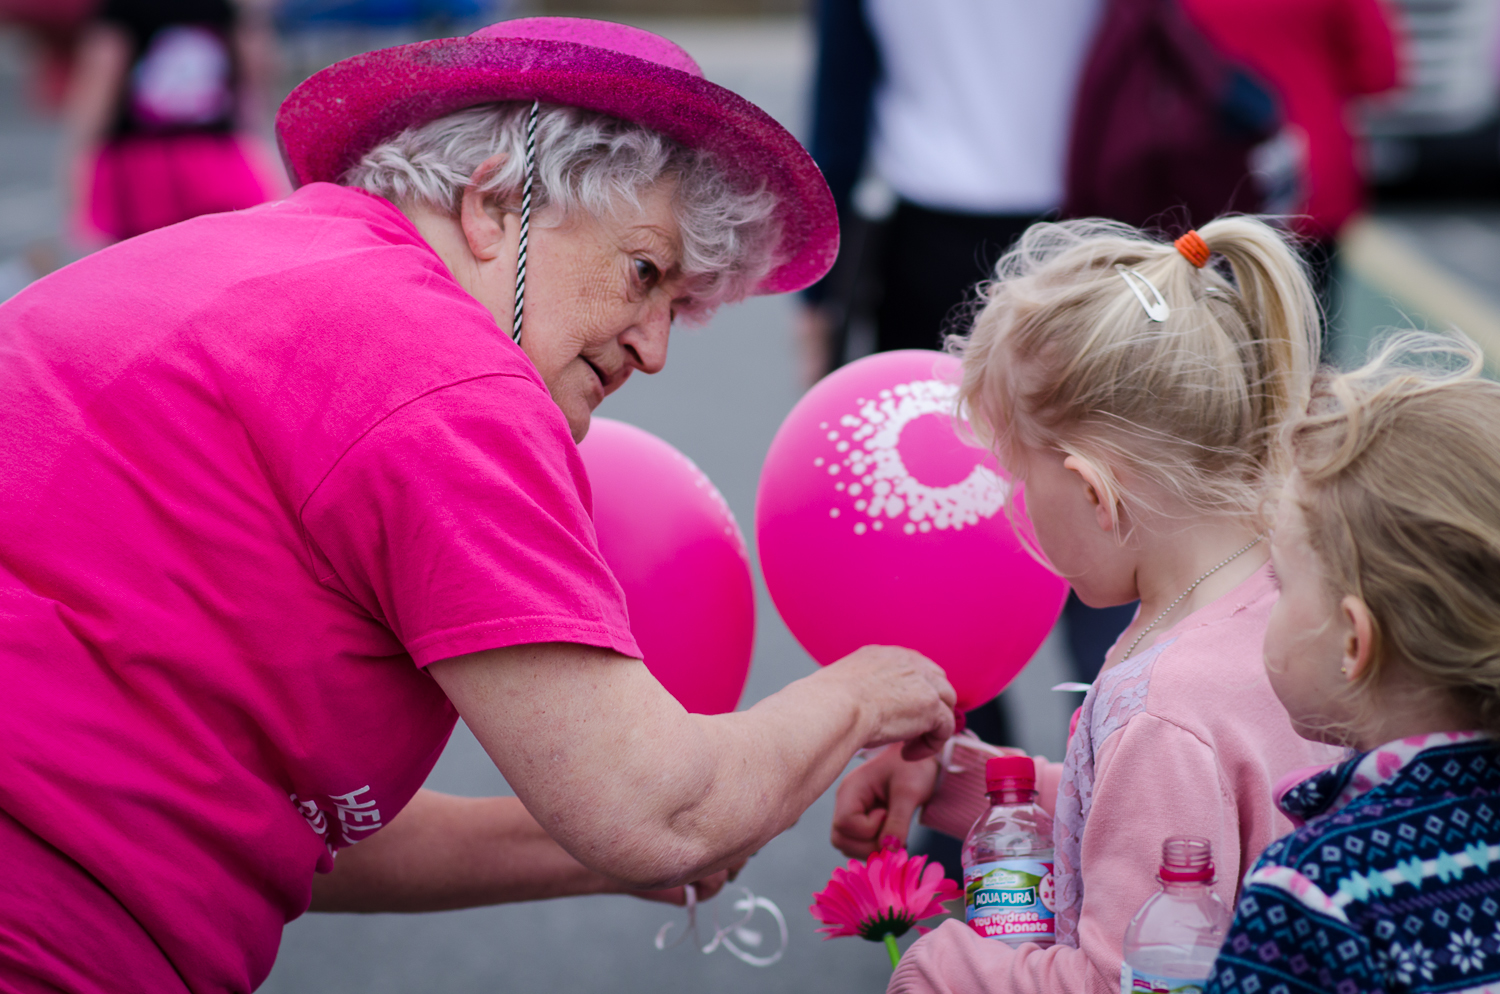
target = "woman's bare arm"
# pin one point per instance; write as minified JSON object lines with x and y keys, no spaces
{"x":444,"y":852}
{"x":633,"y":786}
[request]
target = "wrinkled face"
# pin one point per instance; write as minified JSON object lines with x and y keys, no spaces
{"x":1306,"y":637}
{"x":601,"y":293}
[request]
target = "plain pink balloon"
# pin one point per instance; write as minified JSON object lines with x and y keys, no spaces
{"x":671,"y":541}
{"x":877,"y":525}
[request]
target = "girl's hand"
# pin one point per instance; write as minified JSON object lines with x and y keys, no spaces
{"x":878,"y":799}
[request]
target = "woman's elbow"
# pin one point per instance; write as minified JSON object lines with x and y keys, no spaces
{"x":654,"y":860}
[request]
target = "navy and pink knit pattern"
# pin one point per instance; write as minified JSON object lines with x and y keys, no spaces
{"x":1391,"y":885}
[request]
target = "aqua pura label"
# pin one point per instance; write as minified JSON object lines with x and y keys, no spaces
{"x":1136,"y":982}
{"x":1010,"y":899}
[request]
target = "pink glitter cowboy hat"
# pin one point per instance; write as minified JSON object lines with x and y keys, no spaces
{"x":338,"y":114}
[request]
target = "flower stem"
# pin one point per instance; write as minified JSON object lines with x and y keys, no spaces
{"x":890,"y":947}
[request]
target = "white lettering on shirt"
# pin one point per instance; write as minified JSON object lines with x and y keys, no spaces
{"x":356,"y":815}
{"x":316,"y":820}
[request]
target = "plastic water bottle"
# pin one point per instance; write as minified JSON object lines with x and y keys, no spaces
{"x":1007,"y":858}
{"x":1171,"y":943}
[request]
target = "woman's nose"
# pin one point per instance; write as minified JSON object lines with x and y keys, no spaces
{"x":647,"y":339}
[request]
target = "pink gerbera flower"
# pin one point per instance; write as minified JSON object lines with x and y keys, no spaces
{"x":883,"y":897}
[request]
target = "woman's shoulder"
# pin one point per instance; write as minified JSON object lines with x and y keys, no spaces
{"x":337,"y":277}
{"x":352,"y":238}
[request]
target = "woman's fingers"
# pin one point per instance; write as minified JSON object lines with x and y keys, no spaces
{"x":707,"y":887}
{"x":712,"y":884}
{"x":905,"y":693}
{"x":924,"y":746}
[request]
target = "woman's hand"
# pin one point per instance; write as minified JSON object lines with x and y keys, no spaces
{"x":707,"y":887}
{"x":878,"y":799}
{"x":907,"y":696}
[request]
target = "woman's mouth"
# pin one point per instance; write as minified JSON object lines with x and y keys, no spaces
{"x":603,"y":380}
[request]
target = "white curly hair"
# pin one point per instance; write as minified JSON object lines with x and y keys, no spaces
{"x":591,"y":162}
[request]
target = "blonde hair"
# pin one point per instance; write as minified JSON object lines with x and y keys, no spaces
{"x":1399,"y":466}
{"x":1063,"y":356}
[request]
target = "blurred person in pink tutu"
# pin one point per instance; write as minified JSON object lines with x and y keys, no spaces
{"x":162,"y":113}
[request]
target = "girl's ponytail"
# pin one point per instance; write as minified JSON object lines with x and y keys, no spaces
{"x":1071,"y":351}
{"x":1278,"y":298}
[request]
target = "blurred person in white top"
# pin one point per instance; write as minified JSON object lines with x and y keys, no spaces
{"x":955,"y":115}
{"x":942,"y":128}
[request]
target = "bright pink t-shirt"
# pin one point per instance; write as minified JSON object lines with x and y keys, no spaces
{"x":259,"y":469}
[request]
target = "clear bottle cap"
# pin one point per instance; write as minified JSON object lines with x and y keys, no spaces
{"x":1187,"y":859}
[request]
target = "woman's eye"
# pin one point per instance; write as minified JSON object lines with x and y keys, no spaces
{"x":646,"y":271}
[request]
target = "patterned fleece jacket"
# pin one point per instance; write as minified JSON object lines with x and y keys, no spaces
{"x":1392,"y":884}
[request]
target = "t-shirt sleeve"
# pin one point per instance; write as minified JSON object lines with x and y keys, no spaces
{"x":460,"y":521}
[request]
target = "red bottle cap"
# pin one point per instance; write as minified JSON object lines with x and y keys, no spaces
{"x":1009,"y":773}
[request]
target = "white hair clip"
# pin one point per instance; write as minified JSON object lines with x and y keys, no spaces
{"x":1157,"y":311}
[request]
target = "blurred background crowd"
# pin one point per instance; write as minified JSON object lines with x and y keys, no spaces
{"x":945,"y":128}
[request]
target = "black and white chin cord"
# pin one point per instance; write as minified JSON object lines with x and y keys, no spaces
{"x":515,"y":320}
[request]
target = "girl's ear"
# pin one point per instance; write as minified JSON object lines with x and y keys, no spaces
{"x":1097,"y":493}
{"x":1359,"y":638}
{"x":484,"y":226}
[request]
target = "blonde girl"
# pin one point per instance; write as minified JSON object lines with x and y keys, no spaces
{"x":1387,"y":639}
{"x":1137,"y":388}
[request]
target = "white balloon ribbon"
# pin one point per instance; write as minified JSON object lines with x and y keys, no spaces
{"x":739,"y":928}
{"x":967,"y":740}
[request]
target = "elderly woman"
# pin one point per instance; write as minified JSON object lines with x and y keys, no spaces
{"x":283,"y":498}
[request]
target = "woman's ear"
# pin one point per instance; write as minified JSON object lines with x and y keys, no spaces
{"x":484,"y":225}
{"x":1096,"y":492}
{"x":1359,"y":638}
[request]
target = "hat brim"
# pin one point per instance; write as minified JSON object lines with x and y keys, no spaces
{"x":337,"y":115}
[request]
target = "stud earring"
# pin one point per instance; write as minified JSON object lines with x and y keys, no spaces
{"x":1344,"y":670}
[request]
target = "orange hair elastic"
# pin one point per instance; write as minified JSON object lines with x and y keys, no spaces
{"x":1193,"y":248}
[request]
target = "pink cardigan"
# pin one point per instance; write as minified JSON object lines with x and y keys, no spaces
{"x":1186,"y":738}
